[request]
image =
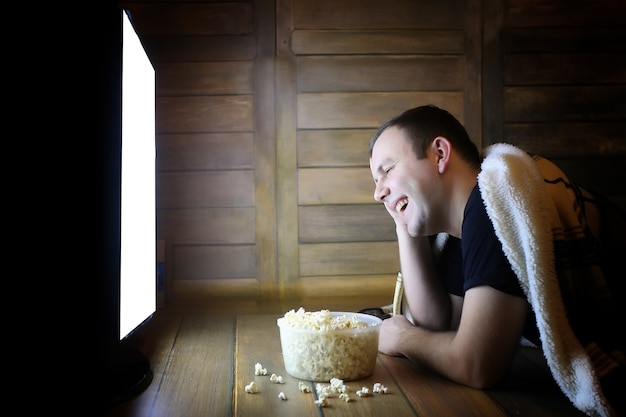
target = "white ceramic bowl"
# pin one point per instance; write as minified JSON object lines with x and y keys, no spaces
{"x":322,"y":354}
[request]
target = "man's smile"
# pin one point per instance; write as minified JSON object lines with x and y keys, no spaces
{"x":401,"y":205}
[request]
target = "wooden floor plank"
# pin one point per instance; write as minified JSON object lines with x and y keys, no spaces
{"x":198,"y":376}
{"x":432,"y":395}
{"x":529,"y":389}
{"x":258,"y":340}
{"x":393,"y":403}
{"x":155,"y":340}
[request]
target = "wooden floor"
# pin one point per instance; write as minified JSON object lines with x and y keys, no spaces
{"x":202,"y":361}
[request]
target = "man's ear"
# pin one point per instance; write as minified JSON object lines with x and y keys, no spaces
{"x":442,"y":150}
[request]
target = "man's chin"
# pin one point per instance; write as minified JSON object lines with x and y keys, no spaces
{"x":414,"y":232}
{"x":417,"y":231}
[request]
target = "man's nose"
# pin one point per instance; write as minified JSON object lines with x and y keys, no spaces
{"x":381,"y":191}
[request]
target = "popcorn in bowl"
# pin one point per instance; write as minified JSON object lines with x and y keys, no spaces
{"x":321,"y":345}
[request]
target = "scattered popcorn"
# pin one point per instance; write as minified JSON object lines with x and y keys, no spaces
{"x":336,"y":387}
{"x":379,"y":388}
{"x":259,"y":370}
{"x":323,"y":391}
{"x":321,"y":402}
{"x":251,"y":388}
{"x":277,"y":379}
{"x":303,"y":387}
{"x":336,"y":384}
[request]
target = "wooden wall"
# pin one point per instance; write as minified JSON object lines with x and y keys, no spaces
{"x":555,"y":84}
{"x":265,"y":109}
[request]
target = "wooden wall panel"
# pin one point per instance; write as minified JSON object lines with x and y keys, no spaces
{"x":200,"y":78}
{"x":208,"y":225}
{"x":205,"y":151}
{"x":398,"y":41}
{"x":373,"y":15}
{"x":355,"y":287}
{"x":335,"y":186}
{"x":345,"y":223}
{"x":564,"y":103}
{"x":207,"y":262}
{"x":233,"y":113}
{"x":565,"y":13}
{"x":199,"y":294}
{"x":564,"y":68}
{"x":389,"y":73}
{"x":561,"y":87}
{"x":349,"y":258}
{"x":186,"y":31}
{"x":193,"y":19}
{"x":517,"y":39}
{"x":568,"y":140}
{"x":333,"y":147}
{"x":359,"y":110}
{"x":198,"y":49}
{"x":205,"y":189}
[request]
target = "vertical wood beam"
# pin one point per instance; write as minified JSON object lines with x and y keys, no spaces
{"x":286,"y":153}
{"x":492,"y":73}
{"x":473,"y":99}
{"x":265,"y":149}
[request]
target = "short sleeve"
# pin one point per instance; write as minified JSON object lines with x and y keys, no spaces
{"x":483,"y":260}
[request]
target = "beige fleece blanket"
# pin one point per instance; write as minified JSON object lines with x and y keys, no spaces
{"x":530,"y":213}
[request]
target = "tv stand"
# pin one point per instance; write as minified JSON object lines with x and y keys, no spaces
{"x":128,"y":373}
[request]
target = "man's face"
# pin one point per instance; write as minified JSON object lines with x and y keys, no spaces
{"x":409,"y":187}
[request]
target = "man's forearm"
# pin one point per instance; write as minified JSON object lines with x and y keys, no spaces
{"x":428,"y":302}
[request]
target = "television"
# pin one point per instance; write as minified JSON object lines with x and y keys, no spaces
{"x":131,"y":281}
{"x":138,"y":221}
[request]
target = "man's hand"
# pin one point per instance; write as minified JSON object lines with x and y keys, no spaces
{"x":392,"y":332}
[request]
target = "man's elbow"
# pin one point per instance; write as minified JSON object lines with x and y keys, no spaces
{"x":482,"y":374}
{"x":483,"y":380}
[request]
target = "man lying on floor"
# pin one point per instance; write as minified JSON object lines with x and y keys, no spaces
{"x":493,"y":248}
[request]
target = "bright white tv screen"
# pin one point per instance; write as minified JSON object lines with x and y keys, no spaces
{"x":138,"y":212}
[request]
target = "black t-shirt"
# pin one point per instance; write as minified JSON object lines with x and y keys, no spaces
{"x":478,"y":259}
